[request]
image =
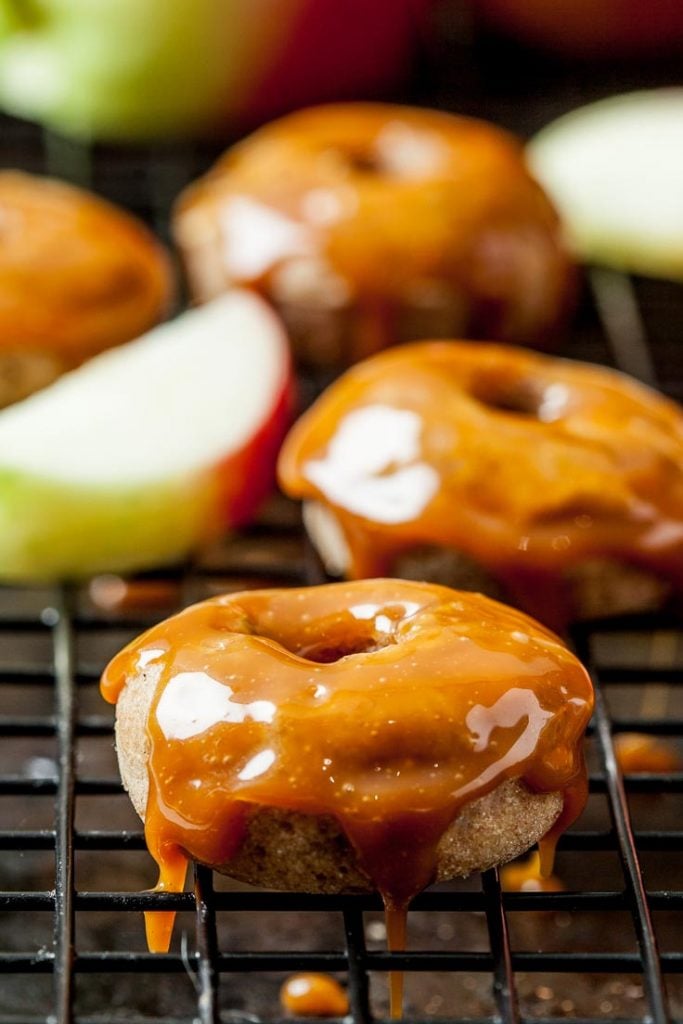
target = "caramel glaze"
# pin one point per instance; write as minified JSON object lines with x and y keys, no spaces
{"x":386,"y":704}
{"x":387,"y":215}
{"x":527,"y":464}
{"x":77,"y":274}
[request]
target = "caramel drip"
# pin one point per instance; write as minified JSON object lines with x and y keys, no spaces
{"x":397,"y":930}
{"x":172,"y":873}
{"x":527,"y":876}
{"x":528,"y":466}
{"x":384,"y":704}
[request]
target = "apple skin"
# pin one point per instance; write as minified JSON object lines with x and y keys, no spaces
{"x":336,"y":50}
{"x":588,"y":28}
{"x":142,"y":69}
{"x":255,"y":462}
{"x":54,"y":530}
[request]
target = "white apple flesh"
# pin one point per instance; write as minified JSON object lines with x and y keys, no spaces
{"x":147,"y":451}
{"x":615,"y":170}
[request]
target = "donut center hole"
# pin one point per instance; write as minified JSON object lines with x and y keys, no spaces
{"x":522,"y":397}
{"x":519,"y":397}
{"x":517,"y":402}
{"x":329,"y":649}
{"x":324,"y":640}
{"x":365,"y":162}
{"x":344,"y":635}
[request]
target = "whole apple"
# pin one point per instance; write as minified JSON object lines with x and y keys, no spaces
{"x":137,"y":69}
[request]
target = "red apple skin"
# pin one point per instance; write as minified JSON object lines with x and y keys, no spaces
{"x":339,"y":49}
{"x":247,"y":476}
{"x":588,"y":28}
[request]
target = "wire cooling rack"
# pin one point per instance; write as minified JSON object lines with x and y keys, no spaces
{"x":74,"y":870}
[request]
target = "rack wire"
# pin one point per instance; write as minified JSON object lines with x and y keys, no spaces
{"x":73,"y":868}
{"x":64,"y":623}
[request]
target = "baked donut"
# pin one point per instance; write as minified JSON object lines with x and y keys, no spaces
{"x":378,"y":734}
{"x":77,"y":275}
{"x":557,"y":485}
{"x":367,"y":225}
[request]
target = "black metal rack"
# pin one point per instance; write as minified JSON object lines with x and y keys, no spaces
{"x":64,"y":624}
{"x":71,"y":941}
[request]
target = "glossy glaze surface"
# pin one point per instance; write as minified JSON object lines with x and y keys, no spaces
{"x":528,"y":465}
{"x":386,"y":704}
{"x":393,"y":217}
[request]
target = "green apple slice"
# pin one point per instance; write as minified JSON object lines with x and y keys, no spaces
{"x":615,"y":170}
{"x":147,"y":451}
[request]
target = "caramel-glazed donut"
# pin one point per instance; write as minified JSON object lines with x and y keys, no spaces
{"x":560,"y":484}
{"x":355,"y":735}
{"x":77,"y":275}
{"x":367,"y":224}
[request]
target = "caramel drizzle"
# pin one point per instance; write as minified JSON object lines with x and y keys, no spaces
{"x":388,"y":705}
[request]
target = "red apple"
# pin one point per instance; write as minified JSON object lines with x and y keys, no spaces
{"x":609,"y":28}
{"x":339,"y":50}
{"x":146,"y":452}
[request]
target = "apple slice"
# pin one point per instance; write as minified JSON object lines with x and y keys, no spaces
{"x":615,"y":170}
{"x":149,"y":450}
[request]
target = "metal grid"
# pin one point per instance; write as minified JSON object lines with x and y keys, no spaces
{"x":71,"y":946}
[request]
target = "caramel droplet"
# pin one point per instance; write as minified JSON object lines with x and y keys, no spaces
{"x":525,"y":876}
{"x":314,"y":995}
{"x":637,"y":752}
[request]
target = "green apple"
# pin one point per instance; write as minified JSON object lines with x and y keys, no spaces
{"x":132,"y":68}
{"x":137,"y":69}
{"x":146,"y":452}
{"x":615,"y":170}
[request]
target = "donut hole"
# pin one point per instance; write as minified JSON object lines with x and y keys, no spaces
{"x":518,"y":397}
{"x":324,"y":654}
{"x":324,"y":640}
{"x":330,"y":648}
{"x":521,"y":397}
{"x":365,"y":162}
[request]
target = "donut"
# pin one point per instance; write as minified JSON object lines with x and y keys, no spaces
{"x":381,"y":734}
{"x":367,"y":224}
{"x":555,"y":485}
{"x":77,"y":275}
